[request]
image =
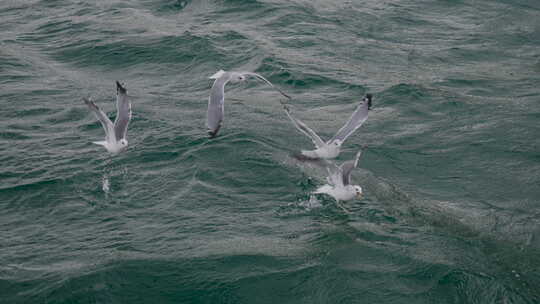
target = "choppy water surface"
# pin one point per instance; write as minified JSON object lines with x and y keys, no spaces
{"x":451,"y":175}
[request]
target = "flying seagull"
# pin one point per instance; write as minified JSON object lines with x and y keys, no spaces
{"x":115,"y":134}
{"x":217,"y":96}
{"x":339,"y":182}
{"x":332,"y":147}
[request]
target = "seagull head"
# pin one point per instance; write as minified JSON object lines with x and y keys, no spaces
{"x":358,"y":191}
{"x":123,"y":142}
{"x":337,"y":143}
{"x":237,"y":77}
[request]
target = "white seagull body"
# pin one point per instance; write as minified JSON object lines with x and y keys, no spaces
{"x":217,"y":96}
{"x":115,"y":133}
{"x":339,"y":182}
{"x":344,"y":193}
{"x":332,"y":148}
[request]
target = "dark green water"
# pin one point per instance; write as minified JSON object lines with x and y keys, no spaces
{"x":451,"y":177}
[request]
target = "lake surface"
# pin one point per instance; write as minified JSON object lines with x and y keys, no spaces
{"x":450,"y":165}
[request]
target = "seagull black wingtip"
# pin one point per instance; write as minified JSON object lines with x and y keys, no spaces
{"x":88,"y":101}
{"x":369,"y":97}
{"x":286,"y":95}
{"x":213,"y":133}
{"x":120,"y":88}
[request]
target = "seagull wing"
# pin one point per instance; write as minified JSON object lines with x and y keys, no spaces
{"x":304,"y":129}
{"x":347,"y":167}
{"x":123,"y":112}
{"x":355,"y":121}
{"x":105,"y":121}
{"x":334,"y":174}
{"x":216,"y":100}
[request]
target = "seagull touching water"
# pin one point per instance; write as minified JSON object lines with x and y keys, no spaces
{"x":217,"y":96}
{"x":331,"y":148}
{"x":115,"y":134}
{"x":339,"y":182}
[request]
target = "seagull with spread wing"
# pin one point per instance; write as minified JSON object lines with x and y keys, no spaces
{"x":339,"y":181}
{"x":115,"y":133}
{"x":217,"y":96}
{"x":332,"y":147}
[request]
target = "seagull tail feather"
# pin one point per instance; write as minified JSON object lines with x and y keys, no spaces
{"x":101,"y":143}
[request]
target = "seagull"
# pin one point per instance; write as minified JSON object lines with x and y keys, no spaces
{"x":115,"y":134}
{"x":217,"y":96}
{"x":331,"y":148}
{"x":339,"y":182}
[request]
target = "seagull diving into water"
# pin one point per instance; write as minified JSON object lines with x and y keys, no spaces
{"x":217,"y":96}
{"x":331,"y":148}
{"x":339,"y":182}
{"x":115,"y":134}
